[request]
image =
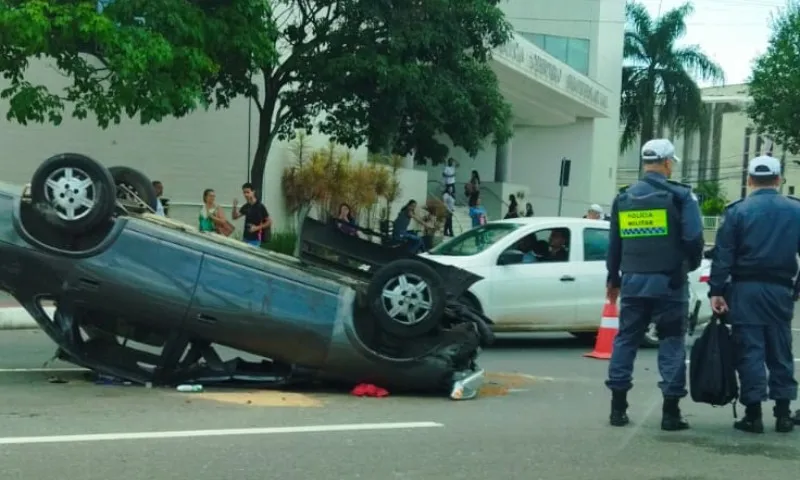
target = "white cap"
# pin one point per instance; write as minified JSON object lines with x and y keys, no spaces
{"x":658,"y":149}
{"x":596,"y":208}
{"x":764,"y":166}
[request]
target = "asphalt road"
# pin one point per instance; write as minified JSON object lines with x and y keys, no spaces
{"x":543,"y":417}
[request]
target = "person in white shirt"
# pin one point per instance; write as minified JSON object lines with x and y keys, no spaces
{"x":449,"y":202}
{"x":449,"y":173}
{"x":595,"y":212}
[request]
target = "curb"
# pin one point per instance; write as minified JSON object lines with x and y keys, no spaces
{"x":17,"y":318}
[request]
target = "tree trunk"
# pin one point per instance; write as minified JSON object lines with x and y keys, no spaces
{"x":648,"y":130}
{"x":266,"y":134}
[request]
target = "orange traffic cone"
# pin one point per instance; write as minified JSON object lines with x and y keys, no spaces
{"x":609,"y":325}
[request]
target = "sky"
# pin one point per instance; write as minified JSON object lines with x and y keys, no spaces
{"x":732,"y":32}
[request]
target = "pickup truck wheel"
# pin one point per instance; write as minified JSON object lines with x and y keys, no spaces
{"x":407,"y":298}
{"x":76,"y":192}
{"x":137,"y":183}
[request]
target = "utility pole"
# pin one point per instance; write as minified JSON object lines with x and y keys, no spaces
{"x":563,"y":181}
{"x":745,"y":159}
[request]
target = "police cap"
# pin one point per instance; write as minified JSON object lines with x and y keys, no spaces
{"x":764,"y":166}
{"x":658,"y":150}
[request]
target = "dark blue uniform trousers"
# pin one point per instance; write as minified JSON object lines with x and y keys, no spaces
{"x":670,"y":317}
{"x":760,"y":317}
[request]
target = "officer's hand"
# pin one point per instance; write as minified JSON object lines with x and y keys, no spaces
{"x":612,"y":294}
{"x":719,"y":305}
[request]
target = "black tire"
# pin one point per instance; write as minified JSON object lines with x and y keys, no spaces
{"x":56,"y":200}
{"x":588,"y":338}
{"x":135,"y":181}
{"x":389,"y":277}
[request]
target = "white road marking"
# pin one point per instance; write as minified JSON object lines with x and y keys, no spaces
{"x":107,"y":437}
{"x":796,"y":360}
{"x":37,"y":370}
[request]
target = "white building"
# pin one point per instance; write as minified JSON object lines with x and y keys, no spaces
{"x":561,"y":73}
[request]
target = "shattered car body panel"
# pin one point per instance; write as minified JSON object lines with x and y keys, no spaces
{"x":325,"y":245}
{"x":151,"y":281}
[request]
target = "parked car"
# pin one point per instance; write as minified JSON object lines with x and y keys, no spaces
{"x":80,"y":235}
{"x":543,"y":296}
{"x":699,"y":281}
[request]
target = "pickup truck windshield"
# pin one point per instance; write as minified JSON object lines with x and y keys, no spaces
{"x":476,"y":240}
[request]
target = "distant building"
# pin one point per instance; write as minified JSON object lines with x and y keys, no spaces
{"x":721,"y":151}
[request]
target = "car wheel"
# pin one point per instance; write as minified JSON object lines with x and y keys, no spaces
{"x":650,"y":337}
{"x":77,"y":192}
{"x":128,"y":180}
{"x":407,"y":298}
{"x":588,"y":338}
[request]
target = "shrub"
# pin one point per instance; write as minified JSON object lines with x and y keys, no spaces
{"x":326,"y":177}
{"x":282,"y":242}
{"x":713,"y":207}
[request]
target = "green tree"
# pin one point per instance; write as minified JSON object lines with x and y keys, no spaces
{"x":658,"y":76}
{"x":775,"y":81}
{"x":135,"y":57}
{"x":418,"y":73}
{"x":168,"y":58}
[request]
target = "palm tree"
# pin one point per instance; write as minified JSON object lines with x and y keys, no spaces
{"x":659,"y":78}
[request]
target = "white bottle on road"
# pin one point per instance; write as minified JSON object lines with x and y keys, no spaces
{"x":190,"y":388}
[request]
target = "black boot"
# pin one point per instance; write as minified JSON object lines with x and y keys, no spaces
{"x":752,"y":421}
{"x":619,"y":405}
{"x":671,"y":419}
{"x":783,"y":417}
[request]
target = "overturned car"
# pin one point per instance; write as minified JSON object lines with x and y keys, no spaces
{"x":347,"y":311}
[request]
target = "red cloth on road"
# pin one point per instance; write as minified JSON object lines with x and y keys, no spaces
{"x":369,"y":390}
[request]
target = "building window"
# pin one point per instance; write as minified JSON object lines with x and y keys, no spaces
{"x":535,"y":38}
{"x":557,"y":47}
{"x":578,"y":54}
{"x":791,"y":189}
{"x":570,"y":50}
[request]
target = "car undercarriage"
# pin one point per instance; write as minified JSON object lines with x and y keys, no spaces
{"x":444,"y":362}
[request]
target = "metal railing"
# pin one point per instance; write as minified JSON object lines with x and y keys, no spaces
{"x":436,"y":189}
{"x":711,"y":223}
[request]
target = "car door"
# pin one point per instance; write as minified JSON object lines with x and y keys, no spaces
{"x":592,"y":274}
{"x":263,"y":307}
{"x":535,"y":296}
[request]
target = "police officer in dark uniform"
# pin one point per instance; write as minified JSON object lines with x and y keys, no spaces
{"x":757,"y":246}
{"x":656,"y":238}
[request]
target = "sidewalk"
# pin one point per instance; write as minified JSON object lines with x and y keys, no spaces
{"x":14,"y":317}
